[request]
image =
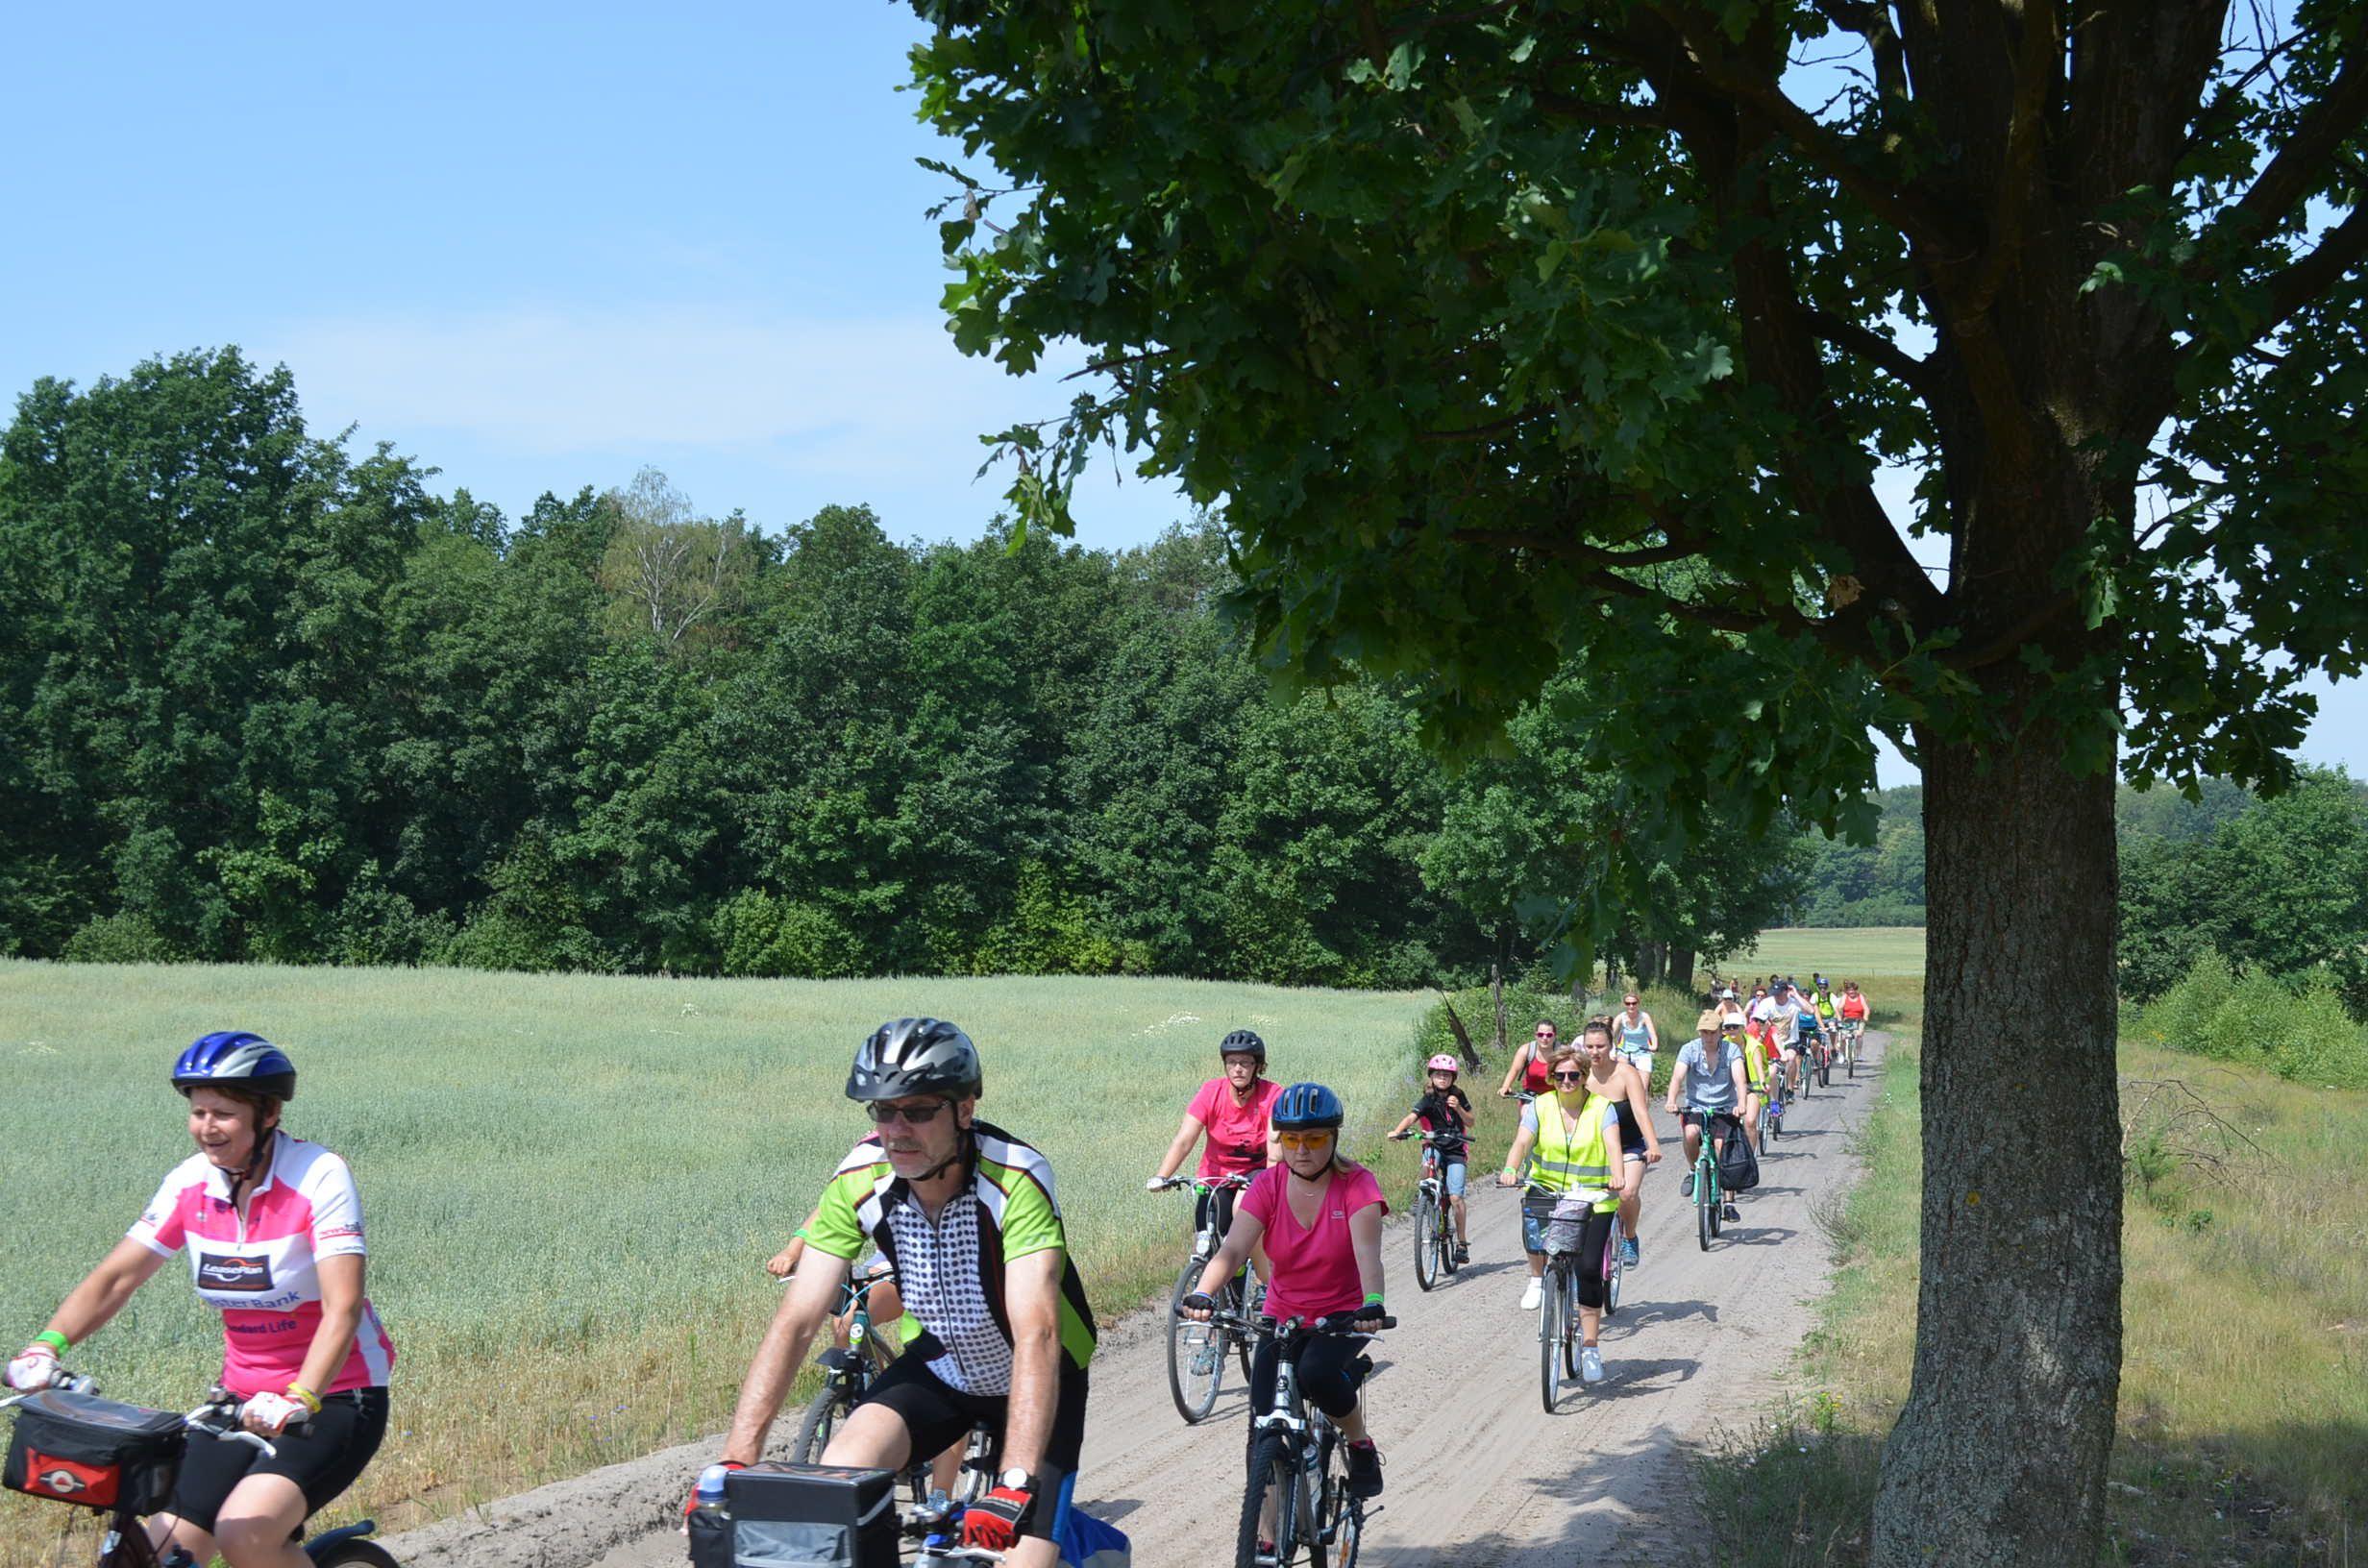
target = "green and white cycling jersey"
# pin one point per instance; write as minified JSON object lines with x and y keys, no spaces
{"x":950,"y":1273}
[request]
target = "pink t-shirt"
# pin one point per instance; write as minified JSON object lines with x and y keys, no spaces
{"x":1315,"y":1270}
{"x":262,"y":1270}
{"x":1237,"y":1140}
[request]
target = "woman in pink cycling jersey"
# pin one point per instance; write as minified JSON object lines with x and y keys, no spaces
{"x":1231,"y":1112}
{"x":273,"y":1228}
{"x":1319,"y":1217}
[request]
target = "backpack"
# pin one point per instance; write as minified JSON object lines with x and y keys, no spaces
{"x":1739,"y":1168}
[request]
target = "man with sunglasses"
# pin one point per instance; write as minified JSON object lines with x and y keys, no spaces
{"x":965,"y":1213}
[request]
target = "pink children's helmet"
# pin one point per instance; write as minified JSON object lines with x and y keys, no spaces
{"x":1442,"y":1062}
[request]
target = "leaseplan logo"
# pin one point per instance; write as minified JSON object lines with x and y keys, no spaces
{"x":226,"y":1271}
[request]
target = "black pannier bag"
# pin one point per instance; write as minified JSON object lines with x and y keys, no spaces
{"x":800,"y":1516}
{"x":79,"y":1448}
{"x":1739,"y":1168}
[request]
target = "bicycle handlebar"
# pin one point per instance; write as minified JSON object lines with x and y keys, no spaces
{"x":1235,"y":1179}
{"x":217,"y":1417}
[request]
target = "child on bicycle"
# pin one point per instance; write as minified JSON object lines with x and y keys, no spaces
{"x":1445,"y":1108}
{"x":1319,"y":1218}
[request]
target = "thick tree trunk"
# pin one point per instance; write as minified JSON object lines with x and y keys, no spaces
{"x":2000,"y":1456}
{"x":1652,"y":962}
{"x":1681,"y":967}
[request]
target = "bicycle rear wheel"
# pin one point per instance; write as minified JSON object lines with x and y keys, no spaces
{"x":1615,"y":1271}
{"x":1426,"y":1240}
{"x":1195,"y":1351}
{"x":1340,"y":1514}
{"x":823,"y":1416}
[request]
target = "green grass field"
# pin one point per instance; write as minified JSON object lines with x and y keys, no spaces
{"x":1844,"y":953}
{"x":2243,"y":1435}
{"x":572,"y":1182}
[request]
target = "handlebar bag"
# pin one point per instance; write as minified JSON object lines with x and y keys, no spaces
{"x":79,"y":1448}
{"x":800,"y":1516}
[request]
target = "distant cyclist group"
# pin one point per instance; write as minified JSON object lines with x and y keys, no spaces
{"x":964,"y":1265}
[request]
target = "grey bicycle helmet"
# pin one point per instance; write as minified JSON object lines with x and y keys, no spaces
{"x":915,"y":1056}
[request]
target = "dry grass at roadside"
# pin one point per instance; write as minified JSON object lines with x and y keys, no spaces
{"x":2244,"y":1402}
{"x":573,"y":1181}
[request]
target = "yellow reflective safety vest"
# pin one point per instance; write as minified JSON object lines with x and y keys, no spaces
{"x":1564,"y":1160}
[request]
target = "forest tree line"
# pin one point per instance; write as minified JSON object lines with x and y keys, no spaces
{"x":269,"y":699}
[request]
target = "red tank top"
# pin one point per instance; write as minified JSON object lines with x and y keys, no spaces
{"x":1534,"y":1076}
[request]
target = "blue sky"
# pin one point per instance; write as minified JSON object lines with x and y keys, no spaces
{"x":539,"y":248}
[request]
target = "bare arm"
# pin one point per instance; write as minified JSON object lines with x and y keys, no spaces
{"x":104,"y":1289}
{"x":1513,"y":1156}
{"x":341,"y":1278}
{"x":1513,"y":1070}
{"x":1365,"y":1237}
{"x":1640,"y":1101}
{"x":1241,"y":1240}
{"x":1403,"y":1125}
{"x":1186,"y":1136}
{"x":1032,"y":1297}
{"x":1677,"y":1082}
{"x":813,"y":1290}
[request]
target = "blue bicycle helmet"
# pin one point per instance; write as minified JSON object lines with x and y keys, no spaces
{"x":1307,"y":1105}
{"x":234,"y":1058}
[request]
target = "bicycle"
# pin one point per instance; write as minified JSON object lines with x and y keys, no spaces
{"x":848,"y":1374}
{"x":1709,"y":1201}
{"x":1196,"y":1351}
{"x":1824,"y":1060}
{"x":1300,"y":1459}
{"x":1559,"y":1332}
{"x":1434,"y":1224}
{"x":1851,"y":1030}
{"x":74,"y":1399}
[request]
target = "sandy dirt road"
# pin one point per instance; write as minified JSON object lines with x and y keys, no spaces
{"x":1478,"y":1474}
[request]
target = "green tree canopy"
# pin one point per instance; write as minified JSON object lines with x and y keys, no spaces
{"x":1569,"y":316}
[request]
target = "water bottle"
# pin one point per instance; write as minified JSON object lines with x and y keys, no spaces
{"x":708,"y":1498}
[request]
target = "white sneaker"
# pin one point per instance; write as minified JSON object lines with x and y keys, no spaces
{"x":1530,"y":1294}
{"x":1591,"y":1364}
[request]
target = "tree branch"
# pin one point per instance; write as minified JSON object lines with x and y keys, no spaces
{"x":1868,"y":344}
{"x":2296,"y":167}
{"x":1925,"y":226}
{"x":1563,"y":106}
{"x":1575,"y":551}
{"x":2292,"y":288}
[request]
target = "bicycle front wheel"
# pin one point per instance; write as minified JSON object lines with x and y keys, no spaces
{"x":1825,"y":1068}
{"x":1705,"y":1204}
{"x":1195,"y":1351}
{"x":1549,"y":1341}
{"x":823,"y":1416}
{"x":1571,"y":1327}
{"x":1426,"y":1240}
{"x":1275,"y":1480}
{"x":354,"y":1552}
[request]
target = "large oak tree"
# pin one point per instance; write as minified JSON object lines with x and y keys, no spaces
{"x":1506,"y":332}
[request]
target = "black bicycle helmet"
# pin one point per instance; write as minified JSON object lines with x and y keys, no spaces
{"x":915,"y":1056}
{"x":1307,"y":1106}
{"x":1244,"y":1042}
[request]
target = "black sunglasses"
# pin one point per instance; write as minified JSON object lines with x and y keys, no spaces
{"x":914,"y":1115}
{"x":1568,"y":1077}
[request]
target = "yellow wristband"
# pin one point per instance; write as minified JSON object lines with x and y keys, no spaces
{"x":305,"y":1397}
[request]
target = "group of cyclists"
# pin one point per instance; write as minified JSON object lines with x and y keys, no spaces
{"x":989,"y":1311}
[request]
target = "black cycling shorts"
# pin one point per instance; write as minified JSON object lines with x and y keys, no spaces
{"x":937,"y":1415}
{"x":323,"y":1456}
